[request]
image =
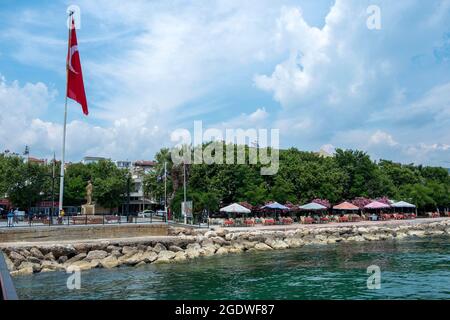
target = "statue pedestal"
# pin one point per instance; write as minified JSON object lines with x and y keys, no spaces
{"x":88,"y":209}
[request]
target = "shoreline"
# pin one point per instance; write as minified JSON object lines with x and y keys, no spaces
{"x":24,"y":258}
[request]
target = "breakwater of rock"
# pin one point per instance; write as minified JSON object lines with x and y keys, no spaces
{"x":183,"y":244}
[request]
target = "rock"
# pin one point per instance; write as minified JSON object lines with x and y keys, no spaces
{"x":82,"y":247}
{"x":149,"y":256}
{"x":76,"y":258}
{"x":67,"y":250}
{"x":180,"y":256}
{"x":276,"y":244}
{"x":9,"y":263}
{"x":36,"y":267}
{"x":49,"y":256}
{"x":51,"y":266}
{"x":109,"y":262}
{"x":116,"y":253}
{"x":16,"y":258}
{"x":22,"y":272}
{"x":33,"y":259}
{"x":166,"y":255}
{"x":127,"y":249}
{"x":417,"y":233}
{"x":219,"y":240}
{"x":262,"y":247}
{"x":235,"y":250}
{"x":222,"y":250}
{"x":96,"y":255}
{"x":81,"y":265}
{"x":62,"y":259}
{"x":37,"y":253}
{"x":112,"y":248}
{"x":294,"y":242}
{"x":192,"y":253}
{"x":247,"y":244}
{"x":175,"y":248}
{"x":131,"y":260}
{"x":209,"y":250}
{"x":210,"y":234}
{"x":159,"y":247}
{"x":194,"y":245}
{"x":140,"y":264}
{"x":221,"y":232}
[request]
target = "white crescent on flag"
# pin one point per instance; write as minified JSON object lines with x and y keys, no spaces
{"x":73,"y":49}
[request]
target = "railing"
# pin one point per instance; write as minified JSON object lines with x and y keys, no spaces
{"x":104,"y":219}
{"x":8,"y":292}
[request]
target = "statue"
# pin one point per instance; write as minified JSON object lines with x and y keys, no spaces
{"x":89,"y":193}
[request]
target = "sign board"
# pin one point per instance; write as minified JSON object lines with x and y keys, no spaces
{"x":186,"y":209}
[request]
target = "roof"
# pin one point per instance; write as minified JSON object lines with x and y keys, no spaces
{"x":345,"y":206}
{"x":312,"y":206}
{"x":144,"y":163}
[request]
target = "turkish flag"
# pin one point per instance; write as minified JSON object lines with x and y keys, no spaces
{"x":75,"y":84}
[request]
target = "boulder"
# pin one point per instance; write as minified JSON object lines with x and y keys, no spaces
{"x":35,"y":266}
{"x":210,"y":234}
{"x":127,"y":249}
{"x":49,"y":256}
{"x":192,"y":252}
{"x":140,"y":264}
{"x":159,"y":247}
{"x":294,"y":242}
{"x":62,"y":259}
{"x":16,"y":258}
{"x":149,"y":256}
{"x":22,"y":272}
{"x":222,"y":250}
{"x":166,"y":254}
{"x":96,"y":255}
{"x":175,"y":248}
{"x":276,"y":244}
{"x":81,"y":265}
{"x":262,"y":247}
{"x":35,"y":252}
{"x":33,"y":259}
{"x":209,"y":250}
{"x":109,"y":262}
{"x":82,"y":247}
{"x":76,"y":258}
{"x":195,"y":246}
{"x":51,"y":266}
{"x":131,"y":259}
{"x":9,"y":263}
{"x":180,"y":256}
{"x":219,"y":240}
{"x":221,"y":232}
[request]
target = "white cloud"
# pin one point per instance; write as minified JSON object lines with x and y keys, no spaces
{"x":381,"y":137}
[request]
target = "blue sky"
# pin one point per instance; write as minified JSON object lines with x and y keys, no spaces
{"x":309,"y":68}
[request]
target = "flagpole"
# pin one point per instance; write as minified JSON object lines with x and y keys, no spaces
{"x":165,"y":187}
{"x":61,"y":181}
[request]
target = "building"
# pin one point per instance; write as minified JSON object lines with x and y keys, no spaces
{"x":123,"y":164}
{"x":88,"y":159}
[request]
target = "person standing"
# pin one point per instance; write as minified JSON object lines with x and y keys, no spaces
{"x":10,"y":217}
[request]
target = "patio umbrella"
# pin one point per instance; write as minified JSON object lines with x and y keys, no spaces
{"x":346,"y":206}
{"x":235,"y":208}
{"x":313,"y":207}
{"x":377,"y":205}
{"x":402,"y":204}
{"x":277,"y":207}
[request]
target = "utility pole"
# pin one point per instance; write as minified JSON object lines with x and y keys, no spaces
{"x":184,"y":186}
{"x":165,"y":189}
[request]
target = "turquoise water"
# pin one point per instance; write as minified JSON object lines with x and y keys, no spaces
{"x":410,"y":269}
